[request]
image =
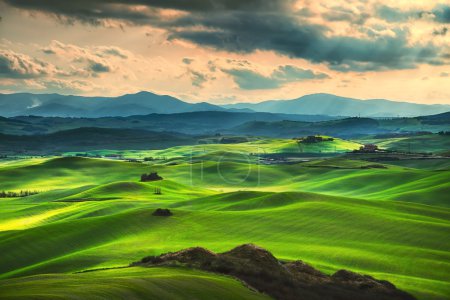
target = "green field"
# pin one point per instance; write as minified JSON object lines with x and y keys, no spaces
{"x":255,"y":146}
{"x":429,"y":143}
{"x":130,"y":283}
{"x":391,"y":222}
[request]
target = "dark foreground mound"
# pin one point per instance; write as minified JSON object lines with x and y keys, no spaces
{"x":259,"y":269}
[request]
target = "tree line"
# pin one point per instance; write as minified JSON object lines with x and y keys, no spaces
{"x":22,"y":193}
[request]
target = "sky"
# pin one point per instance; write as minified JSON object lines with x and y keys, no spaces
{"x":228,"y":51}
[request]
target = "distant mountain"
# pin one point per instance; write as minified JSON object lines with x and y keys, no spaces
{"x":55,"y":105}
{"x":144,"y":103}
{"x":201,"y":122}
{"x":327,"y":104}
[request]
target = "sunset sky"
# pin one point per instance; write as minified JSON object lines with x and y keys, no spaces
{"x":226,"y":51}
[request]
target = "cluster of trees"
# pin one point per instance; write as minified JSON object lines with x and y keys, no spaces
{"x":315,"y":139}
{"x":5,"y":194}
{"x":233,"y":140}
{"x":150,"y":158}
{"x":150,"y":177}
{"x":444,"y":132}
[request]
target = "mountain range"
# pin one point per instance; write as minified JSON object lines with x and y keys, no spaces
{"x":332,"y":105}
{"x":143,"y":103}
{"x":55,"y":105}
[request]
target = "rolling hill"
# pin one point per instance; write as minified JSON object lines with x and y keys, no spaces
{"x":190,"y":123}
{"x":212,"y":122}
{"x":99,"y":216}
{"x":130,"y":283}
{"x":91,"y":138}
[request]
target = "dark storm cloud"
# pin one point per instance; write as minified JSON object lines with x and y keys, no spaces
{"x":109,"y":8}
{"x":246,"y":26}
{"x":442,"y":13}
{"x":248,"y":79}
{"x":86,"y":11}
{"x":245,"y":33}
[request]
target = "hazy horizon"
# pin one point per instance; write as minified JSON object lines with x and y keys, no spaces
{"x":224,"y":104}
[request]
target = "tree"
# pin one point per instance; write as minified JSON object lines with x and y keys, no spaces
{"x":153,"y":176}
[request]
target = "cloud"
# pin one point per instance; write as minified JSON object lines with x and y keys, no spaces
{"x":85,"y":7}
{"x":442,"y":13}
{"x":248,"y":79}
{"x":339,"y":14}
{"x":48,"y":85}
{"x":112,"y":51}
{"x":66,"y":86}
{"x":197,"y":78}
{"x":395,"y":15}
{"x":290,"y":73}
{"x":251,"y":80}
{"x":246,"y":34}
{"x":17,"y":65}
{"x":97,"y":60}
{"x":442,"y":31}
{"x":187,"y":60}
{"x":279,"y":26}
{"x":99,"y":67}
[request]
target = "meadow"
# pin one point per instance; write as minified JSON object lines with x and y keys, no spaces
{"x":331,"y":212}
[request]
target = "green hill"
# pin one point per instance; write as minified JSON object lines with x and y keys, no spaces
{"x":378,"y":238}
{"x":130,"y":283}
{"x":90,"y":138}
{"x":331,"y":213}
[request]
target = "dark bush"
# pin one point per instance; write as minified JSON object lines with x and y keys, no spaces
{"x":150,"y":177}
{"x":162,"y":212}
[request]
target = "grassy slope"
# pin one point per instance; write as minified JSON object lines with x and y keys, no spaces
{"x":427,"y":164}
{"x":260,"y":146}
{"x":366,"y":236}
{"x":402,"y":242}
{"x":393,"y":183}
{"x":129,"y":283}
